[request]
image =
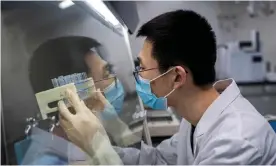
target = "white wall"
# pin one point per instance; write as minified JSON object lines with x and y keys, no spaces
{"x":149,"y":9}
{"x":266,"y":25}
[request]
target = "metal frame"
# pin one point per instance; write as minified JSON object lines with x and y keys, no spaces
{"x":146,"y":132}
{"x":4,"y":134}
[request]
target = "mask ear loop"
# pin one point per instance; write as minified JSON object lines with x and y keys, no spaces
{"x":162,"y":74}
{"x":169,"y":93}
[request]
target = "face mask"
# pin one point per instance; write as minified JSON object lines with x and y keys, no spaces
{"x":115,"y":94}
{"x":149,"y":99}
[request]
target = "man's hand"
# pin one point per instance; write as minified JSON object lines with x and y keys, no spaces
{"x":81,"y":126}
{"x":96,"y":102}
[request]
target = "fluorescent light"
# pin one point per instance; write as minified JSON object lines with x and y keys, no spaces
{"x":102,"y":9}
{"x":65,"y":4}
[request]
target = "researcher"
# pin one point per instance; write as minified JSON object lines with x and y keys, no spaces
{"x":105,"y":80}
{"x":109,"y":101}
{"x":177,"y":69}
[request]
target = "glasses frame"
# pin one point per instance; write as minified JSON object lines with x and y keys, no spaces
{"x":97,"y":81}
{"x":136,"y":73}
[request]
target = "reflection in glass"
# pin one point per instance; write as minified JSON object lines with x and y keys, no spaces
{"x":50,"y":43}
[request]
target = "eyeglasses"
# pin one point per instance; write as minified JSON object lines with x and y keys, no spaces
{"x":97,"y":81}
{"x":138,"y":70}
{"x":113,"y":76}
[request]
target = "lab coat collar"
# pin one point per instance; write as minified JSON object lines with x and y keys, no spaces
{"x":229,"y":91}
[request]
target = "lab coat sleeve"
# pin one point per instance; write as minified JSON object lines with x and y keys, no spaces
{"x":164,"y":153}
{"x":228,"y":150}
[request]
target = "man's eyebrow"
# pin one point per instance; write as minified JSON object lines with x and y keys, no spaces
{"x":140,"y":61}
{"x":137,"y":62}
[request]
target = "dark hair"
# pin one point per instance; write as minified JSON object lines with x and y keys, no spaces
{"x":183,"y":37}
{"x":56,"y":57}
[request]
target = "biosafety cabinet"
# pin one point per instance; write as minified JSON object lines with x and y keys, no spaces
{"x":45,"y":45}
{"x":44,"y":40}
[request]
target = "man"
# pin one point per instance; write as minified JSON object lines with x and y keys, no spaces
{"x":101,"y":72}
{"x":177,"y":69}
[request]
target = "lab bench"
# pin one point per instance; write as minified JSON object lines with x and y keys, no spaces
{"x":261,"y":94}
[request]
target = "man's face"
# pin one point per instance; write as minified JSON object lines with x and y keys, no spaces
{"x":98,"y":70}
{"x":162,"y":85}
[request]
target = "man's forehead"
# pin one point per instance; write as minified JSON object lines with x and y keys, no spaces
{"x":147,"y":48}
{"x":145,"y":55}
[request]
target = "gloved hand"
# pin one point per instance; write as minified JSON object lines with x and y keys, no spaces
{"x":81,"y":125}
{"x":107,"y":111}
{"x":112,"y":123}
{"x":96,"y":102}
{"x":84,"y":129}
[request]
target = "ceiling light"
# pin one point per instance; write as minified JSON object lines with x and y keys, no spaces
{"x":101,"y":8}
{"x":65,"y":4}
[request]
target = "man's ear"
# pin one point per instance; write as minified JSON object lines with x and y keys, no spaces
{"x":180,"y":76}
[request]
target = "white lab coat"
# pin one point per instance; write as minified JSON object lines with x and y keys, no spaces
{"x":231,"y":131}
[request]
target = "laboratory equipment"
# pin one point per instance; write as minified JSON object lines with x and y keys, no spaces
{"x":159,"y":123}
{"x":242,"y":60}
{"x":22,"y":146}
{"x":51,"y":36}
{"x":31,"y":122}
{"x":53,"y":123}
{"x":47,"y":100}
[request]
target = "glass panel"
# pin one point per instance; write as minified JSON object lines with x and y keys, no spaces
{"x":44,"y":48}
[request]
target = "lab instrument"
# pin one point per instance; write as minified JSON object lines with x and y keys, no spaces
{"x":242,"y":60}
{"x":76,"y":82}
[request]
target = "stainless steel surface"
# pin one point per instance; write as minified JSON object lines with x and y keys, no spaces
{"x":263,"y":97}
{"x":27,"y":130}
{"x":3,"y":134}
{"x":159,"y":113}
{"x":31,"y":122}
{"x":146,"y":132}
{"x":53,"y":123}
{"x":52,"y":127}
